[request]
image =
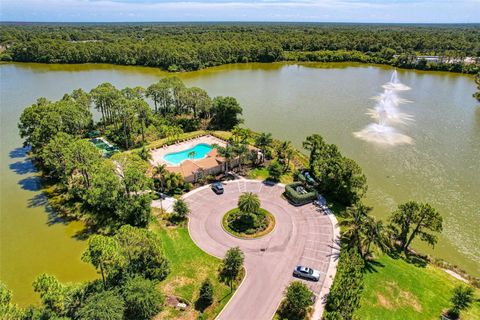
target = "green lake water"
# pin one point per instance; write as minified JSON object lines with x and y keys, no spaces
{"x":441,"y":166}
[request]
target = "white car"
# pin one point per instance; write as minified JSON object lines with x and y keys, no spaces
{"x":306,"y":273}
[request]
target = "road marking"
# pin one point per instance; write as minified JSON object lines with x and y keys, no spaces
{"x":321,"y":251}
{"x":316,"y":260}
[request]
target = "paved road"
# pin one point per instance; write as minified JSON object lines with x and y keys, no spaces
{"x":302,"y":235}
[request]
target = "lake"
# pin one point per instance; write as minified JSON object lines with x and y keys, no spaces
{"x":441,"y":164}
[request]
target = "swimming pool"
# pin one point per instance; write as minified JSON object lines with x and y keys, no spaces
{"x":197,"y":152}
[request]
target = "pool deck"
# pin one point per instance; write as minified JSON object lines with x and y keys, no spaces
{"x":158,"y":154}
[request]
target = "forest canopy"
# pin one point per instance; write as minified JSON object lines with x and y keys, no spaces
{"x":193,"y":46}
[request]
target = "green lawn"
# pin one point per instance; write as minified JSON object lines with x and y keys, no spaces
{"x":399,"y":290}
{"x":262,"y":174}
{"x":189,"y":267}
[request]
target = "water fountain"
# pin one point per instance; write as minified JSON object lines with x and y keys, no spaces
{"x":386,"y":113}
{"x":395,"y":84}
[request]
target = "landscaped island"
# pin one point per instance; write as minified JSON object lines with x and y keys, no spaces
{"x":248,"y":220}
{"x":146,"y":262}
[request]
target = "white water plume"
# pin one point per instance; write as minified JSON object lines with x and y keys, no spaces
{"x":386,"y":113}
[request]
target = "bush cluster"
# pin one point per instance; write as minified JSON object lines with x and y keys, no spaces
{"x":299,"y":198}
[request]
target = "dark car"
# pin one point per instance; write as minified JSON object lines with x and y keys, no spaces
{"x":306,"y":273}
{"x":217,"y":188}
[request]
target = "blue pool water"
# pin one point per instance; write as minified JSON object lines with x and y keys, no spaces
{"x":200,"y":151}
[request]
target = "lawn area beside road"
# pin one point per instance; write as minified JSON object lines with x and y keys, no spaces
{"x":190,"y":266}
{"x":399,"y":290}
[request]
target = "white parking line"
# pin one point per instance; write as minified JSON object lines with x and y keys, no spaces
{"x":316,"y":260}
{"x":321,"y":251}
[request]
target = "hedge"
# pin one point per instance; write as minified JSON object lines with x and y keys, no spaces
{"x":297,"y":198}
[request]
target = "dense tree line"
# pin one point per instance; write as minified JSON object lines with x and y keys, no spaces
{"x":115,"y":191}
{"x":337,"y":176}
{"x":178,"y":47}
{"x":476,"y":95}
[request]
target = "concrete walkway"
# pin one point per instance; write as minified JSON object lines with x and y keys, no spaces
{"x":302,"y":235}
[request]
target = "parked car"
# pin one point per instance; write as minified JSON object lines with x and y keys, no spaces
{"x":306,"y":273}
{"x":217,"y":188}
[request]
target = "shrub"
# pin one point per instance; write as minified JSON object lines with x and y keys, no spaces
{"x":345,"y":293}
{"x":106,"y":305}
{"x":297,"y":300}
{"x":180,"y":209}
{"x":299,"y":198}
{"x":205,"y":297}
{"x":142,"y":299}
{"x":275,"y":170}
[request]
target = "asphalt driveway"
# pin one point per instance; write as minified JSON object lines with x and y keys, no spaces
{"x":302,"y":235}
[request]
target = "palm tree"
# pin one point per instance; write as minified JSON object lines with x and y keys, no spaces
{"x":153,"y":92}
{"x":461,"y":300}
{"x":287,"y":151}
{"x":354,"y":224}
{"x":172,"y":181}
{"x":374,"y":233}
{"x":160,"y":173}
{"x":227,"y":152}
{"x":240,"y":135}
{"x":240,"y":150}
{"x":263,"y":141}
{"x":363,"y":231}
{"x":249,"y":203}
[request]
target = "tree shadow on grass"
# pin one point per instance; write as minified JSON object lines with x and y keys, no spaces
{"x":201,"y":305}
{"x":226,"y":296}
{"x":417,"y":260}
{"x":372,"y":266}
{"x":410,"y":257}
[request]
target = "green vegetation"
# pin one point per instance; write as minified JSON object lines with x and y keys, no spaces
{"x":142,"y":299}
{"x":131,"y":263}
{"x":363,"y":232}
{"x":338,"y":177}
{"x":107,"y":305}
{"x":249,"y":202}
{"x":413,"y":220}
{"x":461,"y":300}
{"x":8,"y":310}
{"x":476,"y":95}
{"x":232,"y":265}
{"x":189,"y":267}
{"x":180,"y":210}
{"x":107,"y":193}
{"x":205,"y":297}
{"x":298,"y":198}
{"x":376,"y":288}
{"x":395,"y":289}
{"x":275,"y":171}
{"x":344,"y":296}
{"x":248,"y":226}
{"x":248,"y":220}
{"x":178,"y":47}
{"x":298,"y":299}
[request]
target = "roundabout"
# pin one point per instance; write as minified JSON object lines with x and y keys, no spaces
{"x":230,"y":218}
{"x":302,"y":236}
